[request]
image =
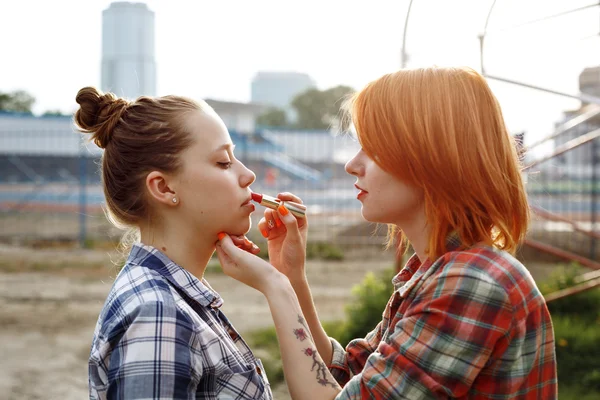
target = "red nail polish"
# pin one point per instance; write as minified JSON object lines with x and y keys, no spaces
{"x":221,"y":235}
{"x":282,"y":210}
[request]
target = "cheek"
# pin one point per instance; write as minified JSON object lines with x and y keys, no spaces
{"x":218,"y":192}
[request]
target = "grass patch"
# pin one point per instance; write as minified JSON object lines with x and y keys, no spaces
{"x":324,"y":250}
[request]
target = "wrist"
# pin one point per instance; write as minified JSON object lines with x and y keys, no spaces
{"x":298,"y":281}
{"x":276,"y":284}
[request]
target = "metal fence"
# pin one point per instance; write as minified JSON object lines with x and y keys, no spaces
{"x":56,"y":196}
{"x":564,"y":191}
{"x":48,"y":197}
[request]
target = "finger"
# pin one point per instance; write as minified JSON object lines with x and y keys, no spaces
{"x":287,"y":196}
{"x":242,"y":242}
{"x":226,"y":245}
{"x":263,"y":227}
{"x":230,"y":255}
{"x":226,"y":262}
{"x":278,"y":223}
{"x":255,"y":249}
{"x":272,"y":218}
{"x":238,"y":240}
{"x":290,"y":222}
{"x":250,"y":246}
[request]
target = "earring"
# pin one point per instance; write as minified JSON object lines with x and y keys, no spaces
{"x":174,"y":200}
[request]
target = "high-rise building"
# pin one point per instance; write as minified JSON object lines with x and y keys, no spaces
{"x":589,"y":81}
{"x":128,"y":63}
{"x":278,"y":89}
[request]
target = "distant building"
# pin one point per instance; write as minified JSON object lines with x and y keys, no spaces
{"x":278,"y":89}
{"x":589,"y":81}
{"x":128,"y":62}
{"x":577,"y":163}
{"x":240,"y":117}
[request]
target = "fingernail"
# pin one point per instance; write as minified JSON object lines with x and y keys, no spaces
{"x":221,"y":235}
{"x":247,"y":242}
{"x":282,"y":210}
{"x":278,"y":223}
{"x":264,"y":232}
{"x":255,"y":247}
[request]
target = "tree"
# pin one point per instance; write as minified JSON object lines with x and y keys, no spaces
{"x":319,"y":109}
{"x":54,"y":113}
{"x":19,"y":101}
{"x":273,"y":117}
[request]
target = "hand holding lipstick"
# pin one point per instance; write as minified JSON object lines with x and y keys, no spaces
{"x":287,"y":253}
{"x":298,"y":209}
{"x":286,"y":237}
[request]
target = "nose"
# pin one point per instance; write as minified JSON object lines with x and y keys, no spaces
{"x":247,"y":177}
{"x":355,"y":166}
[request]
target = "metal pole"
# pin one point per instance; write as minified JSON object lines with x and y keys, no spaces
{"x":82,"y":194}
{"x":404,"y":55}
{"x":482,"y":36}
{"x":594,"y":196}
{"x":586,"y":98}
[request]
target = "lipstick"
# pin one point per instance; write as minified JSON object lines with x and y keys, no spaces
{"x":299,"y":210}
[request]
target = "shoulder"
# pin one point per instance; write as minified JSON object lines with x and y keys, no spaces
{"x":495,"y":270}
{"x":139,"y":294}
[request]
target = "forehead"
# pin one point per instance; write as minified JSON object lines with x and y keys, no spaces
{"x":207,"y":128}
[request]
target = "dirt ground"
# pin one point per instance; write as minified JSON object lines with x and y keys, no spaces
{"x":48,"y":314}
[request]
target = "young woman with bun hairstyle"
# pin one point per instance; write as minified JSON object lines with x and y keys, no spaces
{"x":169,"y":173}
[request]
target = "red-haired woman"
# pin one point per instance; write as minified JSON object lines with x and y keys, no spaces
{"x":466,"y":319}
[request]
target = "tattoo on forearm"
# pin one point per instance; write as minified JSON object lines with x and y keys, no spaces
{"x":321,"y":368}
{"x":302,"y":334}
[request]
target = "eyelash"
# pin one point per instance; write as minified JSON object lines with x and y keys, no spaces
{"x":225,"y":165}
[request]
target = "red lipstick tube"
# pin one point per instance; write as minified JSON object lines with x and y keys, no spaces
{"x":299,"y":210}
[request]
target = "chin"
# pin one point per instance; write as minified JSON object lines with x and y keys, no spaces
{"x":241,"y":228}
{"x":376,"y":219}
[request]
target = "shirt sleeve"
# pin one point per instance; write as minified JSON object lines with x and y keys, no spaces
{"x":442,"y":342}
{"x":347,"y":362}
{"x":156,"y":357}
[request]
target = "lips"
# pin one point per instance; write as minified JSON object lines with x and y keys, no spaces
{"x":248,"y":200}
{"x":359,"y":188}
{"x":362,"y":192}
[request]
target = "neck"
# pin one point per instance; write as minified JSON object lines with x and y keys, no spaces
{"x":187,"y":249}
{"x":417,"y":232}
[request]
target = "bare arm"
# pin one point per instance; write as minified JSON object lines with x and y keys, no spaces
{"x":306,"y":374}
{"x":309,"y":310}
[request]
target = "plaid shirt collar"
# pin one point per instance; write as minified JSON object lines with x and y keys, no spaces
{"x":414,"y":270}
{"x":186,"y":283}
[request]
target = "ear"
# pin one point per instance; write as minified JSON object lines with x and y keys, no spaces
{"x":158,"y":187}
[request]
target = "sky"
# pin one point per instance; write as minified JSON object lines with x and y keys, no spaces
{"x":212,"y":49}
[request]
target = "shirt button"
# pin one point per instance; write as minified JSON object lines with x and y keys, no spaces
{"x":258,"y":370}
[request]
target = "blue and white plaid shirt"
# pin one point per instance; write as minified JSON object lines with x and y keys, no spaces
{"x":161,"y":335}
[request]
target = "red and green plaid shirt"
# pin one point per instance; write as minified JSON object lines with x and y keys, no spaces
{"x":471,"y":325}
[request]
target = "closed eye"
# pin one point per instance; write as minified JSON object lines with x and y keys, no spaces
{"x":224,"y":165}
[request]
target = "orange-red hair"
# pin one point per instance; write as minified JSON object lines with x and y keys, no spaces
{"x":442,"y":130}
